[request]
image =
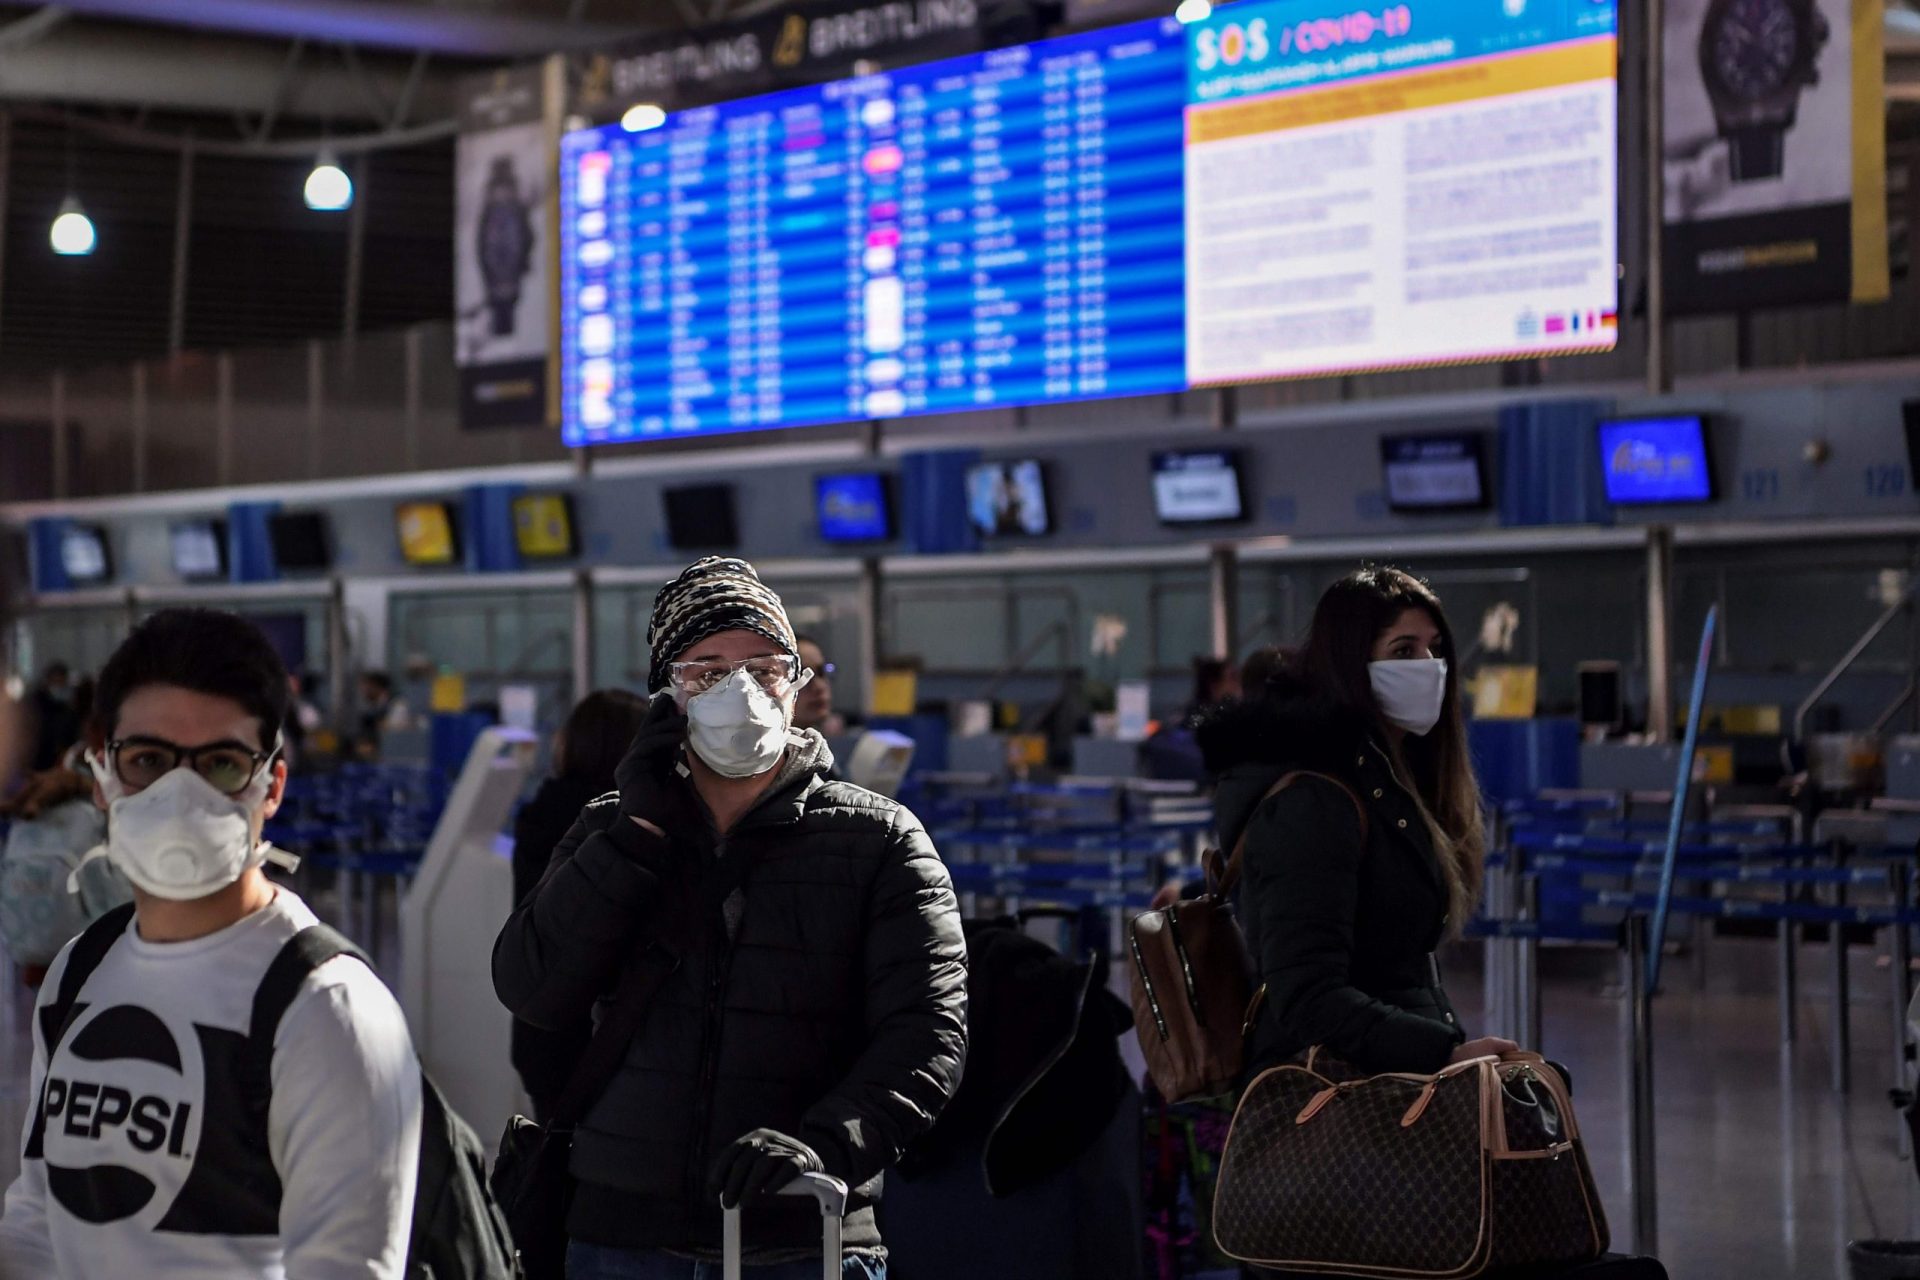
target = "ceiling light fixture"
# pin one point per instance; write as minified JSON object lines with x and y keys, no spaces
{"x":329,"y":189}
{"x":642,"y":116}
{"x":72,"y":234}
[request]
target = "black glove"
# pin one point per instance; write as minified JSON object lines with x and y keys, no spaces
{"x":643,"y":772}
{"x":760,"y":1164}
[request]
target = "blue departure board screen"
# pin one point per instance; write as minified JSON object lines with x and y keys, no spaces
{"x":1290,"y":188}
{"x":985,"y":231}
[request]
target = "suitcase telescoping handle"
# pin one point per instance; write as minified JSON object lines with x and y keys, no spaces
{"x":829,"y":1192}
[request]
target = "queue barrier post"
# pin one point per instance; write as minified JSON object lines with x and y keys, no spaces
{"x":1640,"y":1140}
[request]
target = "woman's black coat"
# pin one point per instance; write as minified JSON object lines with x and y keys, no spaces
{"x":1341,"y":923}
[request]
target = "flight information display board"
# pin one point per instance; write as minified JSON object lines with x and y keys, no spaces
{"x":1286,"y":189}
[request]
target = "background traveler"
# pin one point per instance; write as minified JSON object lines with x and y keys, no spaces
{"x":586,"y":752}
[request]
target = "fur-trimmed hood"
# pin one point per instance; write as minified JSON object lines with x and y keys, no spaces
{"x":1249,"y":742}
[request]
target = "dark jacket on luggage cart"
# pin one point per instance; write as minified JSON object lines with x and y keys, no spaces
{"x":831,"y":1006}
{"x":1341,"y":926}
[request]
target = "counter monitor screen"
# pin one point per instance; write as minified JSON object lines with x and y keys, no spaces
{"x":1434,"y":473}
{"x":300,"y":542}
{"x":1008,"y":499}
{"x":543,"y":526}
{"x":700,"y":518}
{"x":1656,"y":460}
{"x":1116,"y":212}
{"x":199,"y":550}
{"x":1197,"y":488}
{"x":853,"y":508}
{"x":83,"y":554}
{"x":426,"y":534}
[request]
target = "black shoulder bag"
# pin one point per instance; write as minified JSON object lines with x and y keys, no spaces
{"x":531,"y":1178}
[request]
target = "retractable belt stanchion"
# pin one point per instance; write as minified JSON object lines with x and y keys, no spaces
{"x":1645,"y":942}
{"x":1842,"y":1044}
{"x":1900,"y":961}
{"x":1493,"y":949}
{"x":1788,"y":981}
{"x":1640,"y":1142}
{"x":1530,"y":1022}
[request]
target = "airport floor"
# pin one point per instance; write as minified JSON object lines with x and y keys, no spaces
{"x":1763,"y":1171}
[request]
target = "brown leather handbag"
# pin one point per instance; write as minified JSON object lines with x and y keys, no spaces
{"x":1402,"y":1177}
{"x":1192,"y":981}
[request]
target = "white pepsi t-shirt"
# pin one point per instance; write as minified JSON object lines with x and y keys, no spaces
{"x":129,"y":1167}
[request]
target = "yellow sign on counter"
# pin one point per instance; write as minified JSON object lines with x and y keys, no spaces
{"x":1506,"y":693}
{"x":1027,"y":750}
{"x":449,"y":692}
{"x":895,"y":693}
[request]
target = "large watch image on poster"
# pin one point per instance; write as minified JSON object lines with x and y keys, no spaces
{"x":1771,"y":142}
{"x":502,"y":303}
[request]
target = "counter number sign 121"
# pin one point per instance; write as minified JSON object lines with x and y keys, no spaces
{"x":1234,"y":43}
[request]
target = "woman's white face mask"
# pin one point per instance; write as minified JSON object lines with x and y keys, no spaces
{"x":738,"y":729}
{"x":1411,"y":692}
{"x":180,"y":838}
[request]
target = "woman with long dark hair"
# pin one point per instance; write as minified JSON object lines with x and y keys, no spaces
{"x":595,"y":737}
{"x":1355,"y":872}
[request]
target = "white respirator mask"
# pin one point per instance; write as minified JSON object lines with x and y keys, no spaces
{"x":739,"y":729}
{"x":1410,"y":692}
{"x":181,"y":838}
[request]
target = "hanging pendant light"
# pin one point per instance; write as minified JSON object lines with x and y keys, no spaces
{"x":329,"y":189}
{"x":642,"y":116}
{"x":72,"y":234}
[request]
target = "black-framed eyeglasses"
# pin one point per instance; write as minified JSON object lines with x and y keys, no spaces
{"x":773,"y":673}
{"x":827,"y":669}
{"x":228,"y":767}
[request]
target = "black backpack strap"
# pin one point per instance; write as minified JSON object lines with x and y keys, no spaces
{"x":299,"y":956}
{"x":88,"y":951}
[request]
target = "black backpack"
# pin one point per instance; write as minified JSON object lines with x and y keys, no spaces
{"x":458,"y":1231}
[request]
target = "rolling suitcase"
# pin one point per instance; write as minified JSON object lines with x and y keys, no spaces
{"x":829,"y":1192}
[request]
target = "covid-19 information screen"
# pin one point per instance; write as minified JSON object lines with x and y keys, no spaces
{"x":1286,"y":189}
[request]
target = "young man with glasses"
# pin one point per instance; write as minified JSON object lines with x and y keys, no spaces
{"x":157,"y":1144}
{"x":815,"y":1015}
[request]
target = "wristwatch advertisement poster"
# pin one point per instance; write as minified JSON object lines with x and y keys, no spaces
{"x":1774,"y":153}
{"x":504,"y":163}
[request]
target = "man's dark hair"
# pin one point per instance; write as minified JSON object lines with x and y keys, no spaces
{"x":204,"y":650}
{"x":379,"y":680}
{"x":56,"y":671}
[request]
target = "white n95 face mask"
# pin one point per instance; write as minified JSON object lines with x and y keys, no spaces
{"x":180,"y":838}
{"x":1410,"y":692}
{"x":737,"y":728}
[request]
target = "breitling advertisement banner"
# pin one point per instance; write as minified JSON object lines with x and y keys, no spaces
{"x":1775,"y":153}
{"x":504,"y":163}
{"x":794,"y":45}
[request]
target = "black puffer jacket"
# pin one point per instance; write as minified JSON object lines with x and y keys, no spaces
{"x":834,"y":1011}
{"x":1341,"y":928}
